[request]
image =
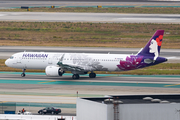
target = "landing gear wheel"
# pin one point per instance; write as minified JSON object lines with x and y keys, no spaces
{"x":23,"y":75}
{"x":92,"y":75}
{"x":75,"y":76}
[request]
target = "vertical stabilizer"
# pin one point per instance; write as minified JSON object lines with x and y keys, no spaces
{"x":153,"y":47}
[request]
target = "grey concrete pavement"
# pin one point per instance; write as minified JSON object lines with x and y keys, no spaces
{"x":89,"y":17}
{"x":59,"y":93}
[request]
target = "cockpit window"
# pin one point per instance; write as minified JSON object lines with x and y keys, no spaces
{"x":11,"y":57}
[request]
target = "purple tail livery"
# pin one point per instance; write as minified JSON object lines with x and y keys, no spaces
{"x":148,"y":56}
{"x":153,"y":47}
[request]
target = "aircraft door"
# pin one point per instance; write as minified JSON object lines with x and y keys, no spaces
{"x":19,"y":59}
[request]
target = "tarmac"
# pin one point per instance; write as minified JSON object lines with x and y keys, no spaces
{"x":36,"y":91}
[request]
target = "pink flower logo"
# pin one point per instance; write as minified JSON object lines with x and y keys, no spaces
{"x":131,"y":63}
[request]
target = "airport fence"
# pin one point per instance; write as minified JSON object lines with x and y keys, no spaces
{"x":7,"y":108}
{"x":15,"y":107}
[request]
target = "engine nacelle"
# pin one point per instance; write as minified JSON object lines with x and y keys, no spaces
{"x":53,"y":71}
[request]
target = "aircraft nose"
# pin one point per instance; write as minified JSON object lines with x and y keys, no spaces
{"x":6,"y":62}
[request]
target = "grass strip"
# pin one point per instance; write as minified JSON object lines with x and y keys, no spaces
{"x":160,"y":69}
{"x":144,"y":10}
{"x":123,"y":35}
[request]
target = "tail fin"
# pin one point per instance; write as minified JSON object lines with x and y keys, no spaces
{"x":153,"y":47}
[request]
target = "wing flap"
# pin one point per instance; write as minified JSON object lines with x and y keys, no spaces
{"x":71,"y":67}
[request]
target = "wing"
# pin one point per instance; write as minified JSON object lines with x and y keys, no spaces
{"x":69,"y":67}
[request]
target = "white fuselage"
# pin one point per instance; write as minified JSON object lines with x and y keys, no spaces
{"x":40,"y":60}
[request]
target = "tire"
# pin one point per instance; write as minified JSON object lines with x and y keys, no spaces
{"x":75,"y":76}
{"x":23,"y":75}
{"x":52,"y":113}
{"x":40,"y":113}
{"x":92,"y":75}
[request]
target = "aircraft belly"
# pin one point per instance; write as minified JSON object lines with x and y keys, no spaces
{"x":110,"y":66}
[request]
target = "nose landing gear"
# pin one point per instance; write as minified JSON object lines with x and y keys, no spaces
{"x":23,"y":74}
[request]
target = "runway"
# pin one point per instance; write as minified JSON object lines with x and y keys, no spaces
{"x":89,"y":17}
{"x":7,"y":51}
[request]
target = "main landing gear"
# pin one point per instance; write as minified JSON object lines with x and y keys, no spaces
{"x":92,"y":75}
{"x":75,"y":76}
{"x":23,"y":74}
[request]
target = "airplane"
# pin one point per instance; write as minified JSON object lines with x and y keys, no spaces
{"x":55,"y":64}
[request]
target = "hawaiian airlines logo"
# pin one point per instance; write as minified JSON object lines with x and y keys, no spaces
{"x":35,"y":55}
{"x":155,"y":45}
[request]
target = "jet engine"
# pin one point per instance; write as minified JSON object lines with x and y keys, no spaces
{"x":54,"y":71}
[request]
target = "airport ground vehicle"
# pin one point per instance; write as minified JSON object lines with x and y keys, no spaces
{"x":25,"y":113}
{"x":50,"y":110}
